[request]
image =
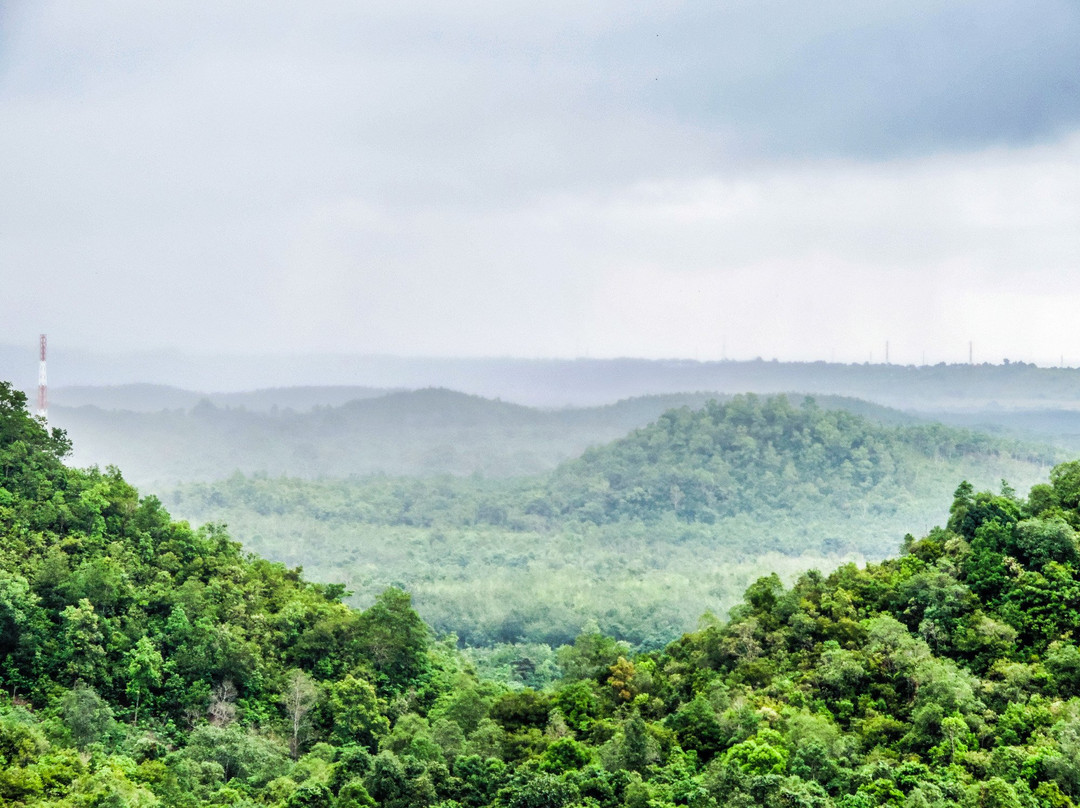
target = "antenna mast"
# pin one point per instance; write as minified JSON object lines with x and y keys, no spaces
{"x":42,"y":390}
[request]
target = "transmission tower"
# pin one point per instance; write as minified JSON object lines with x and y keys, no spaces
{"x":43,"y":389}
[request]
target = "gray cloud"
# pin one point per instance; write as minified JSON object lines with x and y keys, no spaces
{"x":879,"y":80}
{"x":502,"y":177}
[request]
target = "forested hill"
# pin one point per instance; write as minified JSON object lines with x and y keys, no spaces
{"x":135,"y":652}
{"x":144,"y":664}
{"x":416,"y":432}
{"x":745,"y":456}
{"x":641,"y":535}
{"x":757,"y":456}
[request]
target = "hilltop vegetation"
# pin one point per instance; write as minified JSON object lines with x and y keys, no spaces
{"x":143,"y":663}
{"x":640,"y":536}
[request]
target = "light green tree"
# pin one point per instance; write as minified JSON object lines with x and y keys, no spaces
{"x":355,"y":710}
{"x":143,"y":672}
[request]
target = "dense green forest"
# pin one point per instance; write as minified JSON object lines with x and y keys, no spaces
{"x":144,"y":663}
{"x":639,"y":536}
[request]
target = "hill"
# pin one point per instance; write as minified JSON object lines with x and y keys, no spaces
{"x":111,"y":612}
{"x":146,"y":664}
{"x":419,"y":432}
{"x":156,"y":397}
{"x":582,"y":382}
{"x":640,"y":536}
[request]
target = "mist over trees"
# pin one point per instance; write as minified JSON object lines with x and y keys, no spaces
{"x":145,"y":663}
{"x":639,"y":536}
{"x":421,"y":432}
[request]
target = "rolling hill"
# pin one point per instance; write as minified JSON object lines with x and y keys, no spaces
{"x":641,"y":535}
{"x":419,"y":432}
{"x":143,"y":663}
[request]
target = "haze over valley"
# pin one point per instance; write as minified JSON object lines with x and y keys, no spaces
{"x":565,"y":405}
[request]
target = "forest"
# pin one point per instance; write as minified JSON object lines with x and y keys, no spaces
{"x":418,"y":432}
{"x":639,"y":535}
{"x":147,"y":663}
{"x":164,"y":435}
{"x":161,"y":436}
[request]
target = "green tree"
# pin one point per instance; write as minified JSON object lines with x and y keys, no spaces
{"x":82,"y":639}
{"x":87,"y":716}
{"x":23,"y":629}
{"x":143,"y":672}
{"x":355,"y":713}
{"x":394,"y":638}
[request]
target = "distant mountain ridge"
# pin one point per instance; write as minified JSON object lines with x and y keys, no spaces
{"x":565,"y":382}
{"x":157,"y":397}
{"x":425,"y":432}
{"x":429,"y":431}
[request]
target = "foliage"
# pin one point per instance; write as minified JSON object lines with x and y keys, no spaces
{"x":148,"y":664}
{"x":639,"y":536}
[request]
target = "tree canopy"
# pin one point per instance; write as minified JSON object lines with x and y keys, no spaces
{"x":146,"y":663}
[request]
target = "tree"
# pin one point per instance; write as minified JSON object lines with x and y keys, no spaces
{"x":963,"y":500}
{"x":299,"y":697}
{"x":354,"y":795}
{"x":564,"y":755}
{"x":1065,"y":480}
{"x":621,"y":679}
{"x":87,"y":715}
{"x":479,"y":779}
{"x":312,"y":795}
{"x":590,"y":657}
{"x":394,"y":638}
{"x":222,"y":709}
{"x":387,"y":783}
{"x":637,"y":749}
{"x":539,"y":790}
{"x":354,"y":708}
{"x":23,"y":626}
{"x":760,"y":755}
{"x":143,"y":672}
{"x":83,"y":641}
{"x":1041,"y":540}
{"x":697,"y":728}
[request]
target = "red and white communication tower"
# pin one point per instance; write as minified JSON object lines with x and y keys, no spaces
{"x":42,"y":388}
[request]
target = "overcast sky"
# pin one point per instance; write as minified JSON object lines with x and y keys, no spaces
{"x":665,"y":179}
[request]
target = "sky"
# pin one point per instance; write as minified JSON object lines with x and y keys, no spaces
{"x":495,"y":178}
